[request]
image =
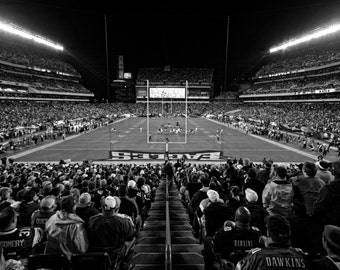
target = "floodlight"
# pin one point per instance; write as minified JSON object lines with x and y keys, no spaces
{"x":11,"y":28}
{"x":316,"y":34}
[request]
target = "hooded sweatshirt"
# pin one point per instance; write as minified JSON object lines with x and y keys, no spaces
{"x":66,"y":233}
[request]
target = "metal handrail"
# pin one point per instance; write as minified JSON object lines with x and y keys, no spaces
{"x":168,"y":257}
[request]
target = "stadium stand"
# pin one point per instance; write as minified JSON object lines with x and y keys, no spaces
{"x":34,"y":72}
{"x":166,"y":223}
{"x":303,"y":74}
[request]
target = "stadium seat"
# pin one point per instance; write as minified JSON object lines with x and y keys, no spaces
{"x":90,"y":261}
{"x":54,"y":261}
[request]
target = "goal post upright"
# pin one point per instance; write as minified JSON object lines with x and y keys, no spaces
{"x":186,"y":112}
{"x":147,"y":112}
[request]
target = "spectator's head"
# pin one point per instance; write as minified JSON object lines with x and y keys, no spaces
{"x":5,"y":193}
{"x":280,"y":172}
{"x":242,"y":217}
{"x":278,"y":229}
{"x":309,"y":169}
{"x":48,"y":204}
{"x":68,"y":204}
{"x":250,"y":195}
{"x":84,"y":200}
{"x":204,"y":180}
{"x":8,"y":219}
{"x":140,"y":182}
{"x":251,"y":173}
{"x":29,"y":196}
{"x":213,"y":195}
{"x":235,"y":192}
{"x":322,"y":165}
{"x":110,"y":205}
{"x":47,"y":187}
{"x":75,"y":193}
{"x":246,"y":162}
{"x":213,"y":186}
{"x":102,"y":183}
{"x":331,"y":240}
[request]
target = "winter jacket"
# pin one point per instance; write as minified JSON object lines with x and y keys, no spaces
{"x":66,"y":233}
{"x":277,"y":197}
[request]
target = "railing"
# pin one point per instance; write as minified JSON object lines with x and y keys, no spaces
{"x":168,"y":258}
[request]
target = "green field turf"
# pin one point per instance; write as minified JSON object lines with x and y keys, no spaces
{"x":95,"y":145}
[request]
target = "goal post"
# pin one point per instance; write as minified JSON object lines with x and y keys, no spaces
{"x":167,"y":114}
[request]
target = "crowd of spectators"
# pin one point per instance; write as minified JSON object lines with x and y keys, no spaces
{"x":74,"y":208}
{"x":289,"y":213}
{"x":19,"y":117}
{"x":17,"y":51}
{"x":257,"y":216}
{"x":300,"y":84}
{"x":175,"y":75}
{"x":42,"y":83}
{"x":314,"y":56}
{"x":317,"y":117}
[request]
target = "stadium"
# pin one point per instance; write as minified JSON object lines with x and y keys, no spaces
{"x":165,"y":163}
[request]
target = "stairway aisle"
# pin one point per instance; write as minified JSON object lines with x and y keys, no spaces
{"x":186,"y":250}
{"x":150,"y":247}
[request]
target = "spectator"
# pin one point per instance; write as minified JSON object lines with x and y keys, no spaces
{"x":327,"y":206}
{"x":331,"y":243}
{"x":278,"y":194}
{"x":194,"y":185}
{"x":27,"y":207}
{"x":26,"y":238}
{"x":277,"y":252}
{"x":323,"y":173}
{"x":129,"y":207}
{"x":5,"y":193}
{"x":113,"y":232}
{"x":308,"y":187}
{"x":66,"y":231}
{"x":75,"y":192}
{"x":258,"y":213}
{"x":252,"y":183}
{"x":233,"y":236}
{"x":195,"y":202}
{"x":84,"y":208}
{"x":42,"y":215}
{"x":215,"y":213}
{"x":263,"y":173}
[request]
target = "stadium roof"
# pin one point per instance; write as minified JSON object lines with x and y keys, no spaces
{"x":178,"y":33}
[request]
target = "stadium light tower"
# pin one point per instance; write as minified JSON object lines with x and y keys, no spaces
{"x":317,"y":34}
{"x":15,"y":30}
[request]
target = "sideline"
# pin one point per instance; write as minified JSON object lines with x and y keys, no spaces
{"x":271,"y":141}
{"x":30,"y":151}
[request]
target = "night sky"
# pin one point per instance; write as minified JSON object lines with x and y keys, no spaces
{"x":179,"y":33}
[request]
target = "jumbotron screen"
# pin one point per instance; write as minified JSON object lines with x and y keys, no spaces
{"x":167,"y":92}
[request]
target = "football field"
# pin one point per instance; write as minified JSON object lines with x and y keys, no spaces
{"x":130,"y":140}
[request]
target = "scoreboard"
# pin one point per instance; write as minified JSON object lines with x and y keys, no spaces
{"x":167,"y":92}
{"x":194,"y":93}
